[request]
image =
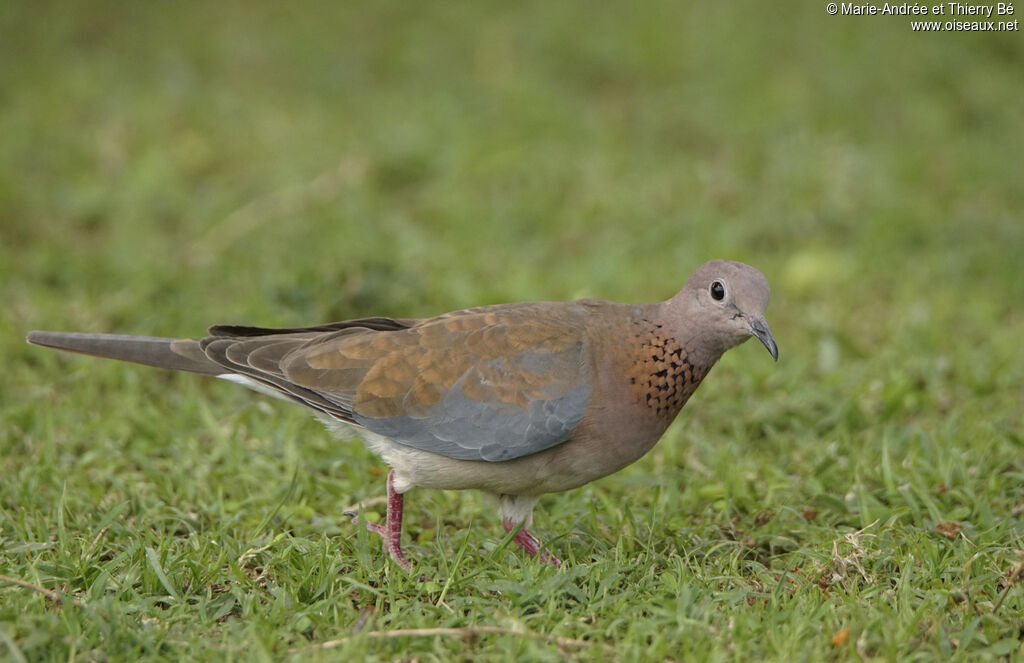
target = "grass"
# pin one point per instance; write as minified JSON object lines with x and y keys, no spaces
{"x":165,"y":167}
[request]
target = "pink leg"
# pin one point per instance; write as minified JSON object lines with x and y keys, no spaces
{"x":529,"y":543}
{"x":391,"y":530}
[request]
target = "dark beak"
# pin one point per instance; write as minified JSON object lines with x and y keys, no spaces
{"x":759,"y":329}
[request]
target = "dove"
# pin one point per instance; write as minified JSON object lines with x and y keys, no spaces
{"x":517,"y":400}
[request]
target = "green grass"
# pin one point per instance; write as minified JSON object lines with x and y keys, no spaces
{"x":165,"y":166}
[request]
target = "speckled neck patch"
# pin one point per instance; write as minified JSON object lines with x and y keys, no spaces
{"x":662,"y":377}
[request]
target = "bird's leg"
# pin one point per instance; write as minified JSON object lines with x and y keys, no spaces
{"x":529,"y":543}
{"x":391,"y":530}
{"x":517,"y":510}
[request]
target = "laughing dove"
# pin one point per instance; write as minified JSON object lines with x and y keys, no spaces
{"x":517,"y":400}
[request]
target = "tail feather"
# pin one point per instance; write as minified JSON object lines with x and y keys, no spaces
{"x":175,"y":354}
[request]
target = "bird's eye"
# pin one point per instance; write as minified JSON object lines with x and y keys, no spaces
{"x":717,"y":291}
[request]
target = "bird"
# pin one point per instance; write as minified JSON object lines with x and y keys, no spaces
{"x":518,"y":400}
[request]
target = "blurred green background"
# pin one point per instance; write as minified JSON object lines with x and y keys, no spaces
{"x":167,"y":166}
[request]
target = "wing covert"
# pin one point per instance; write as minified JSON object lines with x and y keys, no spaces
{"x":490,"y":384}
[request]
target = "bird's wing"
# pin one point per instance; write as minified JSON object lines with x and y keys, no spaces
{"x":490,"y":384}
{"x":255,"y":353}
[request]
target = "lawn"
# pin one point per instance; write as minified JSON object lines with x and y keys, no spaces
{"x":167,"y":166}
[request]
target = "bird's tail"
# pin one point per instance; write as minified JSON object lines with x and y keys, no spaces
{"x":179,"y":354}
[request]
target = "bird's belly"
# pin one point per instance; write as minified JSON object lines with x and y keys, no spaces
{"x":589,"y":455}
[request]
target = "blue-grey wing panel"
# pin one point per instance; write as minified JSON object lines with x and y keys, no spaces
{"x":466,"y":429}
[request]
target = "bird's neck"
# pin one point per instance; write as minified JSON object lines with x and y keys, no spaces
{"x":678,"y":318}
{"x":665,"y":371}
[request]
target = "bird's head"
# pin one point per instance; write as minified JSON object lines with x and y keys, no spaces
{"x":725,"y":301}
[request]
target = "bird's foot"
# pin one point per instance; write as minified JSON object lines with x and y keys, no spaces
{"x":391,"y":530}
{"x":391,"y":535}
{"x":530,"y":544}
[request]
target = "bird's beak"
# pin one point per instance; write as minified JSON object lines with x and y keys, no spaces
{"x":759,"y":329}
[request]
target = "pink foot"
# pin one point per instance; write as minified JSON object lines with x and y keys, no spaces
{"x":530,"y":543}
{"x":391,"y":530}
